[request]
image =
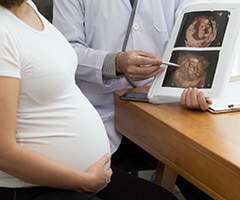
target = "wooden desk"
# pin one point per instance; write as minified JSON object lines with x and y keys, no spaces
{"x":200,"y":146}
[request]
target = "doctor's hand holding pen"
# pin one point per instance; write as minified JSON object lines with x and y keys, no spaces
{"x":138,"y":65}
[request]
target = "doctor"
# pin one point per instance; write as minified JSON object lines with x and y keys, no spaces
{"x":97,"y":30}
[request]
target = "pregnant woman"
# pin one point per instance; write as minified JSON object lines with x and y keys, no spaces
{"x":53,"y":144}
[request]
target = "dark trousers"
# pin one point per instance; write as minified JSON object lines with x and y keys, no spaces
{"x":130,"y":157}
{"x":43,"y":193}
{"x":123,"y":186}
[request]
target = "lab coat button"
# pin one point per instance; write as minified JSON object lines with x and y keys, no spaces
{"x":136,"y":26}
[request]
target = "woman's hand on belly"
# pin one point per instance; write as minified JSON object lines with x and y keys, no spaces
{"x":98,"y":175}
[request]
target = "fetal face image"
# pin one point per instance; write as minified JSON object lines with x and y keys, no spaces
{"x":202,"y":32}
{"x":192,"y":71}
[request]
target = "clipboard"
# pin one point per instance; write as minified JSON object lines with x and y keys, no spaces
{"x":230,"y":100}
{"x":225,"y":109}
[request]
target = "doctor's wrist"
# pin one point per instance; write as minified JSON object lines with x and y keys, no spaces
{"x":118,"y":63}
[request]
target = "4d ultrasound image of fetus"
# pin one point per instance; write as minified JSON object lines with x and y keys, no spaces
{"x":201,"y":32}
{"x":192,"y":71}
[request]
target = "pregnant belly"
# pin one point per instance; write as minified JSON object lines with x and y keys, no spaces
{"x":77,"y":152}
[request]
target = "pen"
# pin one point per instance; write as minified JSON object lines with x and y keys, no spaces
{"x":170,"y":64}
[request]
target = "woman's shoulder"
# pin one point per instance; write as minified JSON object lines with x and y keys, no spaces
{"x":7,"y":19}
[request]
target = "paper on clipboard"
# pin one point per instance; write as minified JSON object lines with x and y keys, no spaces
{"x":230,"y":100}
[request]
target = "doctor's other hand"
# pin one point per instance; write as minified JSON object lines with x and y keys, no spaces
{"x":138,"y":65}
{"x":194,"y":99}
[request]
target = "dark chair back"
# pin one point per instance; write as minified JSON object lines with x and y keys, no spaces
{"x":45,"y":7}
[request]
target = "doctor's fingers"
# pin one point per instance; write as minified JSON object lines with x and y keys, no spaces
{"x":204,"y":104}
{"x":198,"y":100}
{"x":183,"y":97}
{"x":142,"y":73}
{"x":190,"y":98}
{"x":139,"y":58}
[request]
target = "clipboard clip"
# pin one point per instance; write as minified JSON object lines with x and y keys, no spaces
{"x":234,"y":106}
